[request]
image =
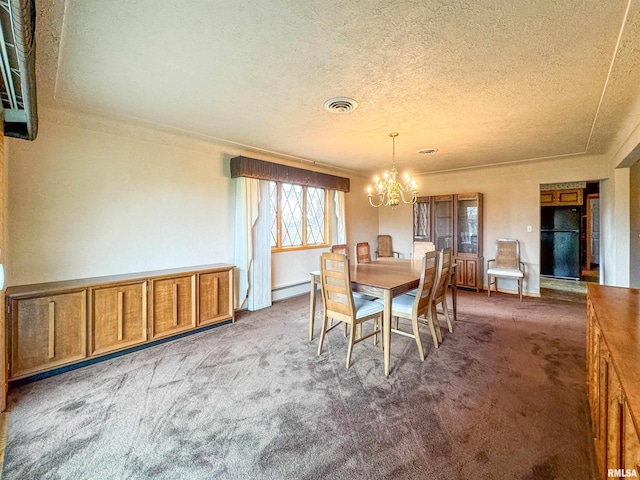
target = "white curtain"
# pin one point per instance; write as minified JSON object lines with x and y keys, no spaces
{"x":341,"y":231}
{"x":253,"y":244}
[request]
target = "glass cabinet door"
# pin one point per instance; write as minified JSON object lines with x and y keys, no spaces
{"x":443,"y":221}
{"x":467,"y":223}
{"x":422,"y":220}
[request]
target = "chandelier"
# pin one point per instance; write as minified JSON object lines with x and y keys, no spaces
{"x":388,"y":190}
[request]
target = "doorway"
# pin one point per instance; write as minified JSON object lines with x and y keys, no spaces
{"x":569,"y":235}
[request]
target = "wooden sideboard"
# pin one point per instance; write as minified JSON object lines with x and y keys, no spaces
{"x":613,"y":376}
{"x":55,"y":324}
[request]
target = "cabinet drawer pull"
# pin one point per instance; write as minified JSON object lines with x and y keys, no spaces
{"x":120,"y":314}
{"x":175,"y":304}
{"x":52,"y":329}
{"x":216,"y":295}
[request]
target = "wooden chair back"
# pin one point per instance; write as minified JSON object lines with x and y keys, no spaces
{"x":420,"y":248}
{"x":335,"y":284}
{"x":363,"y":253}
{"x":339,"y":248}
{"x":428,"y":278}
{"x":507,"y":253}
{"x":444,"y":273}
{"x":384,"y":246}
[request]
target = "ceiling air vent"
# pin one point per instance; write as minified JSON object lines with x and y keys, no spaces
{"x":427,"y":151}
{"x":340,"y":105}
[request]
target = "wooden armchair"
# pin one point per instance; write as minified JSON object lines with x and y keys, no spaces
{"x":385,"y":248}
{"x":507,"y":264}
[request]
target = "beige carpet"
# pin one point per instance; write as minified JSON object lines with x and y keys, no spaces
{"x":504,"y":397}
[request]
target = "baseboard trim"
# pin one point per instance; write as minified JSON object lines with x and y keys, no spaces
{"x":289,"y":291}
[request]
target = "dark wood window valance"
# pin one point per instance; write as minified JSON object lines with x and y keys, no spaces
{"x":252,"y":168}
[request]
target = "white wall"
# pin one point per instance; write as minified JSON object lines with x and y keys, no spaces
{"x":92,"y":197}
{"x":511,"y":195}
{"x":83,"y":203}
{"x":363,"y":220}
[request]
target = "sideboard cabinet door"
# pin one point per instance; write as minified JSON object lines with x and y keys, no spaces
{"x":631,"y":459}
{"x":214,"y":297}
{"x":173,"y":305}
{"x":614,"y":424}
{"x":47,"y":331}
{"x":118,"y":317}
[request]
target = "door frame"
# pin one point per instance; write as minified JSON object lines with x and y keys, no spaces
{"x":4,"y":355}
{"x":591,"y":196}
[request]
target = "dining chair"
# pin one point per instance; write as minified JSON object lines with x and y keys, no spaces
{"x":507,"y":264}
{"x":363,"y":252}
{"x":420,"y":248}
{"x":341,"y":305}
{"x":385,"y":248}
{"x":342,"y":248}
{"x":339,"y":248}
{"x":440,"y":292}
{"x":417,"y":308}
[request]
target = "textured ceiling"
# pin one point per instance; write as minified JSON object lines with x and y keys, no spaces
{"x":483,"y":81}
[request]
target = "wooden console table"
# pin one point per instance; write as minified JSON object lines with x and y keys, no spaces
{"x":55,"y":324}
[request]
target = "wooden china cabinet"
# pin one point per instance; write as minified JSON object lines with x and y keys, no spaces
{"x":468,"y":244}
{"x":454,"y":221}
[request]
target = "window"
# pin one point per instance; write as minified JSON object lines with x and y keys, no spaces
{"x":298,"y":216}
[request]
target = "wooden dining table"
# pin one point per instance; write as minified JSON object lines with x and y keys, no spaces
{"x":384,"y":278}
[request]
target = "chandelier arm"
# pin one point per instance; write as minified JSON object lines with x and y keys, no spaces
{"x":413,"y":197}
{"x":378,"y":205}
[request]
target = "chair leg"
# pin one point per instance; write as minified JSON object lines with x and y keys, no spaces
{"x":445,"y":311}
{"x":489,"y":286}
{"x":520,"y":288}
{"x":375,"y":327}
{"x":352,"y":340}
{"x":416,"y":333}
{"x":432,"y":328}
{"x":325,"y":322}
{"x":436,"y":322}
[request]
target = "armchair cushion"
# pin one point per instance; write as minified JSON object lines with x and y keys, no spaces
{"x":506,"y":272}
